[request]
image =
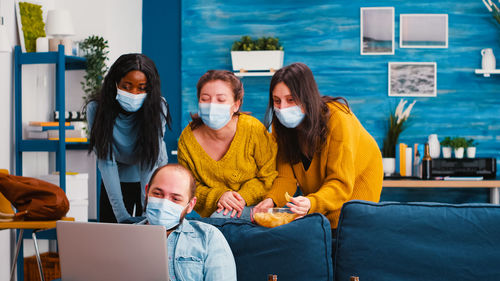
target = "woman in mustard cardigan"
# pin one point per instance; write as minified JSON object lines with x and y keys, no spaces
{"x":231,"y":155}
{"x":322,"y":148}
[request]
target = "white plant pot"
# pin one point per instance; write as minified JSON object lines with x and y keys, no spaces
{"x":389,"y":165}
{"x":471,"y":152}
{"x":446,"y":152}
{"x":257,"y":60}
{"x":459,"y":152}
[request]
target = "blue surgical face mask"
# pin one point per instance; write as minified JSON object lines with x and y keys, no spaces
{"x":290,"y":117}
{"x":214,"y":115}
{"x":128,"y":101}
{"x":163,"y":212}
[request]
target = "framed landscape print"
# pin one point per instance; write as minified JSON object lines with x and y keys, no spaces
{"x":377,"y":31}
{"x":412,"y":79}
{"x":423,"y":31}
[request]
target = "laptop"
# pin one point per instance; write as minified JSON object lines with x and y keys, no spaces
{"x":112,"y":252}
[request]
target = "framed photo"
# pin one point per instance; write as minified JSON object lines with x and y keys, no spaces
{"x":30,"y":24}
{"x":412,"y":79}
{"x":423,"y":31}
{"x":377,"y":31}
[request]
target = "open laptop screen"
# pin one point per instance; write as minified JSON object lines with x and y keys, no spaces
{"x":112,"y":252}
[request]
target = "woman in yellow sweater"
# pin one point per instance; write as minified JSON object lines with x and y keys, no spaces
{"x":322,"y":148}
{"x":231,"y":155}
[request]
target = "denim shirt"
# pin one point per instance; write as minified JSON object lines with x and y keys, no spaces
{"x":198,"y":251}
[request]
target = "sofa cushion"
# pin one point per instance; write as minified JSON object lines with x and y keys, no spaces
{"x":418,"y":241}
{"x":300,"y":250}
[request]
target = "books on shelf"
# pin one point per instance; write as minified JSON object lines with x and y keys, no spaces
{"x":44,"y":124}
{"x":37,"y":135}
{"x":47,"y":128}
{"x":72,"y":139}
{"x":69,"y":134}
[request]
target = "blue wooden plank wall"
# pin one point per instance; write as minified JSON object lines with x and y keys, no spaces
{"x":325,"y":36}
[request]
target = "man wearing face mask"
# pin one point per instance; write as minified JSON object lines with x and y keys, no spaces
{"x":196,"y":250}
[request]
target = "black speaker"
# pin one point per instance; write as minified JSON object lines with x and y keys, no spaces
{"x":466,"y":167}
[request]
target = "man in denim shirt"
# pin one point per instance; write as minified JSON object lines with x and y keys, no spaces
{"x":196,"y":250}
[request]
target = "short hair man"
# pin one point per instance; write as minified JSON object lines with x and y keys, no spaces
{"x":196,"y":250}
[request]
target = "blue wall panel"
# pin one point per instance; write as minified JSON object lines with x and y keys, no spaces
{"x":325,"y":36}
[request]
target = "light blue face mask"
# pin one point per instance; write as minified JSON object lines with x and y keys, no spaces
{"x":130,"y":102}
{"x":214,"y":115}
{"x":290,"y":117}
{"x":163,"y":212}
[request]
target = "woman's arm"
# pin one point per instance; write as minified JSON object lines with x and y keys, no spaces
{"x":264,"y":151}
{"x":111,"y":179}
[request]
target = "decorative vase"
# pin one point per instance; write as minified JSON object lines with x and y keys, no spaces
{"x":389,"y":165}
{"x":434,"y":147}
{"x":446,"y":152}
{"x":471,"y":152}
{"x":488,"y":61}
{"x":459,"y":152}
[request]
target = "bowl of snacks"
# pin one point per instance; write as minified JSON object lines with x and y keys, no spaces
{"x":274,"y":217}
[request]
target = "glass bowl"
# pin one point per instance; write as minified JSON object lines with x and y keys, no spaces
{"x":274,"y":217}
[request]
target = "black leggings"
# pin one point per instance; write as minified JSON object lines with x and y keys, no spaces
{"x":131,"y":192}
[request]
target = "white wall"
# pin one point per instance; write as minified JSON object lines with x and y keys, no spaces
{"x":118,"y":21}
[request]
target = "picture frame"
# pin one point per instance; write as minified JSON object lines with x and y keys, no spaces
{"x":412,"y":79}
{"x":377,"y":30}
{"x":30,"y":26}
{"x":423,"y":30}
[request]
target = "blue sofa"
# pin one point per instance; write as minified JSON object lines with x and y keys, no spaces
{"x":375,"y":241}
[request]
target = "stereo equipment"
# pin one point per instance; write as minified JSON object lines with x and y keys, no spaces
{"x":466,"y":167}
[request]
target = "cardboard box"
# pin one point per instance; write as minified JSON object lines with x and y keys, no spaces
{"x":77,"y":185}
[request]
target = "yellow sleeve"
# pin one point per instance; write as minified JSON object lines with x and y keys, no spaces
{"x":338,"y":185}
{"x":207,"y":197}
{"x":264,"y":151}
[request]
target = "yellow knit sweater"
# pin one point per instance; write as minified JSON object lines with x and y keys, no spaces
{"x":248,"y":167}
{"x":348,"y":167}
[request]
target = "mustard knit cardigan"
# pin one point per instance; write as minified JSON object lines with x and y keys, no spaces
{"x":348,"y":167}
{"x":248,"y":167}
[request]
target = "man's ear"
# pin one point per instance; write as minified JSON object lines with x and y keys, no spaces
{"x":191,"y":205}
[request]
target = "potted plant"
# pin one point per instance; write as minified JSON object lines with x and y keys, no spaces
{"x":459,"y":144}
{"x":446,"y":146}
{"x":471,"y":148}
{"x":95,"y":50}
{"x":396,"y":125}
{"x":265,"y":53}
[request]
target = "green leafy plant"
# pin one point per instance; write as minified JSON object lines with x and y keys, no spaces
{"x":446,"y":142}
{"x":32,"y":22}
{"x":261,"y":44}
{"x":458,"y":142}
{"x":397,"y":123}
{"x":471,"y":143}
{"x":95,"y":50}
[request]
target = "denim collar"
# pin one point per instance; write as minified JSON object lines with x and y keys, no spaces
{"x":184,"y":227}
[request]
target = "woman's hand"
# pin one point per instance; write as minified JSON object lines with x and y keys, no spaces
{"x":231,"y":201}
{"x":263,"y":206}
{"x":299,"y":205}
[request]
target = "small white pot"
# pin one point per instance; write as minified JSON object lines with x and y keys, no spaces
{"x":446,"y":152}
{"x":459,"y":152}
{"x":389,"y":165}
{"x":257,"y":60}
{"x":471,"y":152}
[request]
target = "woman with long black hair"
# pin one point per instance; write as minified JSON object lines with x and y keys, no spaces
{"x":126,"y":121}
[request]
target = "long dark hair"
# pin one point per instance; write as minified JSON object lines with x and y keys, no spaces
{"x":312,"y":131}
{"x":222,"y":75}
{"x":149,"y":116}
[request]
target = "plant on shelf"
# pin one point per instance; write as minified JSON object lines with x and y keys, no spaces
{"x":397,"y":122}
{"x":32,"y":24}
{"x":446,"y":147}
{"x":264,"y":53}
{"x":459,"y":144}
{"x":95,"y":50}
{"x":471,"y":148}
{"x":261,"y":44}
